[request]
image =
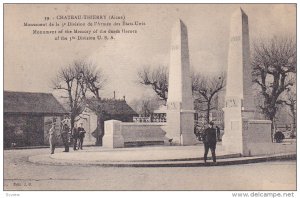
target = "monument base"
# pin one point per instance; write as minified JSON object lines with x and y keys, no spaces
{"x":232,"y":139}
{"x":257,"y":137}
{"x":250,"y":137}
{"x":180,"y":127}
{"x":124,"y":134}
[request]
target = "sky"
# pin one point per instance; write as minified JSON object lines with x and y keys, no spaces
{"x":32,"y":61}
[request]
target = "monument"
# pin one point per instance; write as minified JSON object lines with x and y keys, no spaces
{"x":180,"y":106}
{"x":242,"y":132}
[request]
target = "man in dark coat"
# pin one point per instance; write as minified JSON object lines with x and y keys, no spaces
{"x":64,"y":132}
{"x":210,"y":141}
{"x":81,"y":132}
{"x":75,"y":136}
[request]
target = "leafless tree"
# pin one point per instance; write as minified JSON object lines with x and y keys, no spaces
{"x":156,"y":78}
{"x":94,"y":78}
{"x":69,"y":80}
{"x":205,"y":88}
{"x":95,"y":81}
{"x":290,"y":100}
{"x":272,"y":62}
{"x":146,"y":106}
{"x":76,"y":80}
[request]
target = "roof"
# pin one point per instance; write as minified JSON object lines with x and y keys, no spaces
{"x":110,"y":106}
{"x":26,"y":102}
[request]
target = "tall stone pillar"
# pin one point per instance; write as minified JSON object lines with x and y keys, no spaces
{"x":239,"y":81}
{"x":180,"y":106}
{"x":239,"y":100}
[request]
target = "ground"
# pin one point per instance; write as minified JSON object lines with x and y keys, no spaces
{"x":20,"y":174}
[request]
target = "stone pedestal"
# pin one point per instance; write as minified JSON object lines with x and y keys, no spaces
{"x":180,"y":127}
{"x":233,"y":134}
{"x":180,"y":106}
{"x":256,"y":137}
{"x":113,"y":137}
{"x":187,"y":128}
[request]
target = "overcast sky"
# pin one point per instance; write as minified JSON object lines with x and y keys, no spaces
{"x":30,"y":61}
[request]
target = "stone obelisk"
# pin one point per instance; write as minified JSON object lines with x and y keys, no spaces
{"x":239,"y":82}
{"x":239,"y":100}
{"x":180,"y":106}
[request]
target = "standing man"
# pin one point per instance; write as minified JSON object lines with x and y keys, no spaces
{"x":64,"y":131}
{"x":75,"y":136}
{"x":52,"y":138}
{"x":210,"y":141}
{"x":81,"y":132}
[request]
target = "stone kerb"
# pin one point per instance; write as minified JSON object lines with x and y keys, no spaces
{"x":119,"y":134}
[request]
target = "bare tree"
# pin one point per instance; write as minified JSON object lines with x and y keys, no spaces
{"x":95,"y":81}
{"x":205,"y":88}
{"x":77,"y":80}
{"x":290,"y":100}
{"x":146,"y":106}
{"x":94,"y":78}
{"x":272,"y":62}
{"x":69,"y":79}
{"x":157,"y":79}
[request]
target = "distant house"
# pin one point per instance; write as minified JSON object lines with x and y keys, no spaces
{"x":98,"y":111}
{"x":28,"y":116}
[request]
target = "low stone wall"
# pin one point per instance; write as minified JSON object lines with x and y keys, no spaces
{"x":122,"y":134}
{"x":257,"y":138}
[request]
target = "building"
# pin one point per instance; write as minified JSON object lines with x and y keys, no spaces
{"x":28,"y":118}
{"x":98,"y":111}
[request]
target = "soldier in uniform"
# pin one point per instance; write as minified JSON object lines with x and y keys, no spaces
{"x":81,"y":132}
{"x":65,"y":136}
{"x":210,"y":141}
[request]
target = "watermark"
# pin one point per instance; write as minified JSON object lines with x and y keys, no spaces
{"x":264,"y":194}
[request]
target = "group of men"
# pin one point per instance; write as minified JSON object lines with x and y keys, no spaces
{"x":77,"y":134}
{"x":209,"y":138}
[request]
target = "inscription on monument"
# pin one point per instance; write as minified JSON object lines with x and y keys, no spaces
{"x":173,"y":106}
{"x":232,"y":102}
{"x":235,"y":38}
{"x":174,"y":47}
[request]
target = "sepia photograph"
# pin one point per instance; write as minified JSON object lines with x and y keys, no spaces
{"x":150,"y":97}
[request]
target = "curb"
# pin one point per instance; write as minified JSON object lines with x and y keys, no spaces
{"x":42,"y":147}
{"x":46,"y":160}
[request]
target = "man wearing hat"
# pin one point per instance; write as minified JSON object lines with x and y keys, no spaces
{"x":81,"y":132}
{"x":210,"y":141}
{"x":64,"y":132}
